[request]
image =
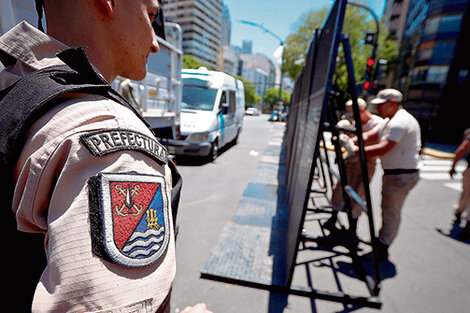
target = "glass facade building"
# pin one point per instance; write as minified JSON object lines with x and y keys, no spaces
{"x":201,"y":21}
{"x":430,"y":51}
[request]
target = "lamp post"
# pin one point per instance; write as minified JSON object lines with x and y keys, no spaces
{"x":281,"y":43}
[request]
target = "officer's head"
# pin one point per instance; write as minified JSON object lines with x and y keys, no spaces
{"x":362,"y":104}
{"x":117,"y":34}
{"x":388,"y":102}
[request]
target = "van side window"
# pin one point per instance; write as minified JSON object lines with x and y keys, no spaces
{"x":233,"y":106}
{"x":223,"y":99}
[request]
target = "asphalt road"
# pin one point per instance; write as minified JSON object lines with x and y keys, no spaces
{"x":428,"y":268}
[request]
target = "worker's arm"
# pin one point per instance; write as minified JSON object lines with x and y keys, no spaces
{"x":460,"y":152}
{"x":378,"y":149}
{"x":369,"y":136}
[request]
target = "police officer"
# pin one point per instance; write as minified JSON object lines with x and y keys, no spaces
{"x":371,"y":124}
{"x":89,"y":175}
{"x":398,"y":149}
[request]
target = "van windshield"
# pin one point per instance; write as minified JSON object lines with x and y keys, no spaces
{"x":198,"y":98}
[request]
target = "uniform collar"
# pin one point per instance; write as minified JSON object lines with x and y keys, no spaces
{"x":24,"y":49}
{"x":30,"y":46}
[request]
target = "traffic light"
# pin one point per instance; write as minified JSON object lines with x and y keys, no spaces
{"x":368,"y":74}
{"x":369,"y":38}
{"x":381,"y":68}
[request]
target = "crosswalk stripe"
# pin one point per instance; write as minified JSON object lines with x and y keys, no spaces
{"x":455,"y":186}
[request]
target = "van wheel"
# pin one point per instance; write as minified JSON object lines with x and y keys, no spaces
{"x":214,"y":153}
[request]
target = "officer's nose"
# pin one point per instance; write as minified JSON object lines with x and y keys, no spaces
{"x":154,"y":48}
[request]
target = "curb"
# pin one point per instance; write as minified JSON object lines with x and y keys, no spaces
{"x":437,"y":153}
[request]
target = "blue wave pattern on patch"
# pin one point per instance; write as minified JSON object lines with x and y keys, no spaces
{"x":146,"y":240}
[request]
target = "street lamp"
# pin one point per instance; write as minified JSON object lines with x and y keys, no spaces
{"x":370,"y":39}
{"x":281,"y":43}
{"x":375,"y":42}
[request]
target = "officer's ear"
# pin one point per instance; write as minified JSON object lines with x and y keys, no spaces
{"x":106,"y":7}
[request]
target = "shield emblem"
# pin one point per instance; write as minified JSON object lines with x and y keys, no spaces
{"x":134,"y":217}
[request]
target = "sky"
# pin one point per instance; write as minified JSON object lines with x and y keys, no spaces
{"x":279,"y":16}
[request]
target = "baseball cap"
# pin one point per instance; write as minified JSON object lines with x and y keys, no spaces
{"x":361,"y":102}
{"x":387,"y":95}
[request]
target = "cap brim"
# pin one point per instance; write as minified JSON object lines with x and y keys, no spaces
{"x":378,"y":101}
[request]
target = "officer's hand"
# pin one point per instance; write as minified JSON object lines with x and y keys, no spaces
{"x":452,"y":172}
{"x":198,"y":308}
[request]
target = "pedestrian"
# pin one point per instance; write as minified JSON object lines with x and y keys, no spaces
{"x":464,"y":202}
{"x":398,"y":150}
{"x":81,"y":166}
{"x":371,"y":123}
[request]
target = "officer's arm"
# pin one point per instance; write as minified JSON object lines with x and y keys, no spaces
{"x":461,"y":152}
{"x":369,"y":136}
{"x":379,"y":149}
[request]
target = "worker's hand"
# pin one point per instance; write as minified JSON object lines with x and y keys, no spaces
{"x":198,"y":308}
{"x":452,"y":172}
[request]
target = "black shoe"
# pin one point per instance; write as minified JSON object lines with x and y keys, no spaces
{"x":330,"y":224}
{"x":382,"y":253}
{"x":457,"y":218}
{"x":465,"y":233}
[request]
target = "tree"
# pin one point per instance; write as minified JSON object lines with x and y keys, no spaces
{"x":250,"y":92}
{"x":357,"y":23}
{"x":271,"y":96}
{"x":191,"y":62}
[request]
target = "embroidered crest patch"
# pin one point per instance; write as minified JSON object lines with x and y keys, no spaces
{"x":129,"y":218}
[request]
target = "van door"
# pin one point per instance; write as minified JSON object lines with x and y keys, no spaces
{"x":227,"y":116}
{"x":232,"y":128}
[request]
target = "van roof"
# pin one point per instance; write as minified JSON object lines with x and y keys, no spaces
{"x":216,"y":79}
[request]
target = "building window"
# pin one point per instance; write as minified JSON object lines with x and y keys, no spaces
{"x":437,"y":74}
{"x":443,"y":52}
{"x":450,"y":23}
{"x":431,"y":26}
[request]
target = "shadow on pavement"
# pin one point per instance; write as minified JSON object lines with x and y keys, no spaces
{"x":454,"y":233}
{"x":184,"y":160}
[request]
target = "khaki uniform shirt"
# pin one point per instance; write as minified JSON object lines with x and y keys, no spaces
{"x":52,"y":192}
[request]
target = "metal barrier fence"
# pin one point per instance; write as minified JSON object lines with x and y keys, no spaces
{"x":312,"y":112}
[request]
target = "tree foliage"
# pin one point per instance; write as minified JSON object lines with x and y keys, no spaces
{"x":357,"y":23}
{"x":191,"y":62}
{"x":250,"y":92}
{"x":271,"y":96}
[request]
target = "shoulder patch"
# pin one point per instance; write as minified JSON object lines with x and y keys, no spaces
{"x":106,"y":141}
{"x":129,"y":218}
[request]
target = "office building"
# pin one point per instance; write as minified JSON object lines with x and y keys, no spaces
{"x":201,"y":21}
{"x":226,"y":26}
{"x":247,"y":47}
{"x":431,"y":69}
{"x":259,"y":70}
{"x":394,"y":18}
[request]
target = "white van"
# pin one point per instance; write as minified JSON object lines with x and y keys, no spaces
{"x":212,"y":113}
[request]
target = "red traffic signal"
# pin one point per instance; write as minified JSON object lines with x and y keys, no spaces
{"x":366,"y":85}
{"x":370,"y":62}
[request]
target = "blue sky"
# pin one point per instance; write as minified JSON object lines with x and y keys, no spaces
{"x":278,"y":16}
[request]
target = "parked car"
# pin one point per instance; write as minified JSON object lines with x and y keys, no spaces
{"x":252,"y":111}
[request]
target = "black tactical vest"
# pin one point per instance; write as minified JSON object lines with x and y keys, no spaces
{"x":20,"y":106}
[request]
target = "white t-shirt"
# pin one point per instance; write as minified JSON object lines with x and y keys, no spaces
{"x":403,"y":129}
{"x":373,"y":122}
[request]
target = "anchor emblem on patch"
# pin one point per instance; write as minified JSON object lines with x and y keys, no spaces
{"x":134,"y":217}
{"x":128,"y":203}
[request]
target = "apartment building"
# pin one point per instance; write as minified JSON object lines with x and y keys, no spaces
{"x":201,"y":21}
